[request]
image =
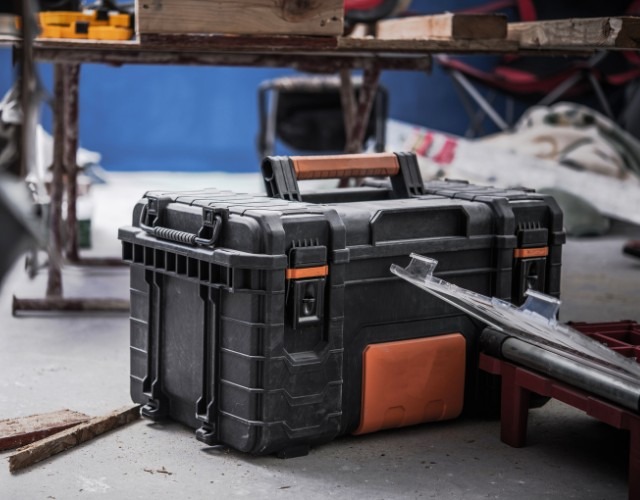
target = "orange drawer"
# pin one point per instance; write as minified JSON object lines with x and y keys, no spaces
{"x":412,"y":381}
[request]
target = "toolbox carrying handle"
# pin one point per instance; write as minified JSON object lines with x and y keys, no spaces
{"x":281,"y":173}
{"x":207,"y":235}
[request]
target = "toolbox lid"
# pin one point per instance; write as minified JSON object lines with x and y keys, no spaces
{"x":534,"y":320}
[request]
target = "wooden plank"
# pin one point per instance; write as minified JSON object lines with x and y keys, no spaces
{"x":444,"y":27}
{"x":600,"y":32}
{"x":73,"y":436}
{"x":428,"y":46}
{"x":325,"y":63}
{"x":295,"y":17}
{"x":235,"y":43}
{"x":16,"y":432}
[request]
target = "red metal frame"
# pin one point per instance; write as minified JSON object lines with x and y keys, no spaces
{"x":518,"y":383}
{"x":361,"y":4}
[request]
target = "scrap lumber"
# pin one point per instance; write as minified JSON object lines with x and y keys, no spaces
{"x":57,"y":443}
{"x":598,"y":32}
{"x":444,"y":27}
{"x":16,"y":432}
{"x":276,"y":17}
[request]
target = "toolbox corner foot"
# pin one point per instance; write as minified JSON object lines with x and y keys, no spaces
{"x":294,"y":452}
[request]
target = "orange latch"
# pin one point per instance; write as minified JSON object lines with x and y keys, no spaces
{"x":306,"y":272}
{"x":523,"y":253}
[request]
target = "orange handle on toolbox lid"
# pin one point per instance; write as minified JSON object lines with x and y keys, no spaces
{"x":341,"y":166}
{"x":281,"y":173}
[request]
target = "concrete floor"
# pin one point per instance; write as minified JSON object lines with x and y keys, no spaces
{"x":81,"y":362}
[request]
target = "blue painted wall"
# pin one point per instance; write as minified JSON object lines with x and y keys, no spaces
{"x":185,"y":118}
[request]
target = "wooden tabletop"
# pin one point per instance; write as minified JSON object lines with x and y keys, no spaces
{"x":305,"y":53}
{"x":276,"y":44}
{"x":406,"y":49}
{"x":300,"y":52}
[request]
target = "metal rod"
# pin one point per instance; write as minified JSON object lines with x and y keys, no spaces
{"x":62,"y":304}
{"x":28,"y":88}
{"x":367,"y":97}
{"x":269,"y":144}
{"x":54,"y":280}
{"x":99,"y":262}
{"x":602,"y":99}
{"x":588,"y":378}
{"x":561,"y":89}
{"x":348,"y":101}
{"x":356,"y":113}
{"x":72,"y":74}
{"x":509,"y":109}
{"x":480,"y":101}
{"x":475,"y":126}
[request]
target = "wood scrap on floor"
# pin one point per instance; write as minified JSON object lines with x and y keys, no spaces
{"x":16,"y":432}
{"x":444,"y":27}
{"x":57,"y":443}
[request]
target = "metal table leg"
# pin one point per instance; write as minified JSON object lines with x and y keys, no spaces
{"x":357,"y":111}
{"x":72,"y":79}
{"x":72,"y":74}
{"x":54,"y":279}
{"x":65,"y":141}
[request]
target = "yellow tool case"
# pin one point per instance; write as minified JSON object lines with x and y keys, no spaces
{"x":88,"y":24}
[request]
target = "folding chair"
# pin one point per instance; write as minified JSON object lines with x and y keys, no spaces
{"x":305,"y":113}
{"x":370,"y":11}
{"x":539,"y":80}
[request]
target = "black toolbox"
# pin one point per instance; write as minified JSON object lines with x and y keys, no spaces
{"x":272,"y":323}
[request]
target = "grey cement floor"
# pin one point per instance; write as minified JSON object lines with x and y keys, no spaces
{"x":81,"y":362}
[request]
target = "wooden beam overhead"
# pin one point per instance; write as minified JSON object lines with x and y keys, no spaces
{"x":444,"y":27}
{"x":600,"y":32}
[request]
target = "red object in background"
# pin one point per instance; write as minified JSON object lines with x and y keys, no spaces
{"x":369,"y":11}
{"x":621,"y":336}
{"x":362,"y":4}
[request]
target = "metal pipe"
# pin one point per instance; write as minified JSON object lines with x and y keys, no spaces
{"x":480,"y":101}
{"x":54,"y":280}
{"x":70,"y":148}
{"x":60,"y":304}
{"x":588,"y":378}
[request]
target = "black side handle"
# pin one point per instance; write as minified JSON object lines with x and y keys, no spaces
{"x":151,"y":217}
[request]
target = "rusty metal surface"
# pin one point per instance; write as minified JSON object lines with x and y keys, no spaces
{"x":70,"y":305}
{"x":54,"y":283}
{"x":99,"y":262}
{"x":72,"y":75}
{"x":355,"y":136}
{"x":316,"y":62}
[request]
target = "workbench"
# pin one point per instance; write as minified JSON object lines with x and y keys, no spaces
{"x":360,"y":51}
